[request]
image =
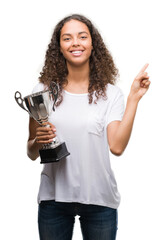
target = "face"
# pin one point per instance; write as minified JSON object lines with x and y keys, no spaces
{"x":75,"y":42}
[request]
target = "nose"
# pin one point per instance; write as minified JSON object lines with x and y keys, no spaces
{"x":75,"y":42}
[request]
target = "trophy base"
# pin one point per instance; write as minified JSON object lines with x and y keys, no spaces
{"x":53,"y":155}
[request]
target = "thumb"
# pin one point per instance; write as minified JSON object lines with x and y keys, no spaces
{"x":50,"y":124}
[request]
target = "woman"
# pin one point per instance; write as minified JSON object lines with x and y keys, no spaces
{"x":90,"y":118}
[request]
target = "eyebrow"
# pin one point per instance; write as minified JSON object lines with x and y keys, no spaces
{"x":68,"y":34}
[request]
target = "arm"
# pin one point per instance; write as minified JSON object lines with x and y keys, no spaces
{"x":38,"y":135}
{"x":119,"y":133}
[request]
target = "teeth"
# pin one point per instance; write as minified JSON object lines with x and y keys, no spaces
{"x":76,"y":51}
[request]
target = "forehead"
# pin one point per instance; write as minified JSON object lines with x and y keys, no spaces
{"x":74,"y":26}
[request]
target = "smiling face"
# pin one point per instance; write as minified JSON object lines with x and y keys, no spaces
{"x":75,"y":43}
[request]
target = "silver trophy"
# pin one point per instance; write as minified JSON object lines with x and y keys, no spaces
{"x":39,"y":106}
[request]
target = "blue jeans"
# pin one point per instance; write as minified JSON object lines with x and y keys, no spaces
{"x":56,"y":221}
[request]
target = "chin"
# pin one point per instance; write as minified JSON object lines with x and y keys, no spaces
{"x":78,"y":63}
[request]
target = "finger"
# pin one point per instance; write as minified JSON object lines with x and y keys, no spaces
{"x":145,"y":83}
{"x":144,"y":68}
{"x":142,"y":76}
{"x":145,"y":80}
{"x":45,"y":137}
{"x":44,"y":141}
{"x":44,"y":134}
{"x":48,"y":123}
{"x":44,"y":131}
{"x":47,"y":127}
{"x":142,"y":72}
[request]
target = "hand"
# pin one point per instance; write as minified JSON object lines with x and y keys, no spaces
{"x":45,"y":134}
{"x":140,"y":84}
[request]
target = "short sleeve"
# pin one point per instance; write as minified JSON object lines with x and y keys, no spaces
{"x":115,"y":108}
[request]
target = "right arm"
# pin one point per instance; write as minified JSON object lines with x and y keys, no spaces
{"x":38,"y":135}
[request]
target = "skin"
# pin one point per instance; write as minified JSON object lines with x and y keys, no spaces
{"x":75,"y":36}
{"x":76,"y":47}
{"x":119,"y":132}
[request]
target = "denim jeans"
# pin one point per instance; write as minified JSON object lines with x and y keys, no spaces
{"x":56,"y":221}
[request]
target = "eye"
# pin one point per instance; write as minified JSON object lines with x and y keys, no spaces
{"x":66,"y":39}
{"x":83,"y":37}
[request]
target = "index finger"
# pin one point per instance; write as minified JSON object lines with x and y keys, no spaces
{"x":48,"y":124}
{"x":144,"y":68}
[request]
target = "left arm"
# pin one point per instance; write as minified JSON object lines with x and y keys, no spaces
{"x":119,"y":132}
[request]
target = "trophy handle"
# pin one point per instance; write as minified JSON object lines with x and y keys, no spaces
{"x":20,"y":101}
{"x":54,"y":92}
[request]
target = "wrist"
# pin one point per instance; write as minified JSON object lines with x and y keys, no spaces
{"x":32,"y":149}
{"x":133,"y":98}
{"x":36,"y":144}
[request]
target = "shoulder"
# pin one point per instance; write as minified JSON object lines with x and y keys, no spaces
{"x":113,"y":91}
{"x":38,"y":87}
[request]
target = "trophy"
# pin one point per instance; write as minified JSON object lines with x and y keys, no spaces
{"x":39,"y":105}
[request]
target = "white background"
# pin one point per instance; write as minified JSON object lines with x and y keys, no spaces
{"x":134,"y":33}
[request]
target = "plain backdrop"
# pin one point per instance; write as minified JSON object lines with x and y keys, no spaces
{"x":133,"y":30}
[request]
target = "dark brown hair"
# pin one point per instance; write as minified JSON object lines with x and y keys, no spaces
{"x":102,"y":67}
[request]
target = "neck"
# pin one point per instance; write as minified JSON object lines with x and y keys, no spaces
{"x":78,"y":74}
{"x":78,"y":78}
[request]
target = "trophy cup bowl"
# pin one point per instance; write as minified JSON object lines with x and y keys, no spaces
{"x":39,"y":105}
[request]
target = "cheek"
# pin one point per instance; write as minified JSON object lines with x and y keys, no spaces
{"x":63,"y":47}
{"x":89,"y":47}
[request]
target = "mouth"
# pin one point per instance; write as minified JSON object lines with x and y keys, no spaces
{"x":76,"y":53}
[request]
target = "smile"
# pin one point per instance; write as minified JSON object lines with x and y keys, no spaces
{"x":77,"y":53}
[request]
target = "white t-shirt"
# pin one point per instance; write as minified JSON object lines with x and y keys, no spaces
{"x":85,"y":176}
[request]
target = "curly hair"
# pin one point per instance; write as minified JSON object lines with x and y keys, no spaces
{"x":101,"y":64}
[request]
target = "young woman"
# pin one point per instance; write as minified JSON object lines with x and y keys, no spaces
{"x":90,"y":118}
